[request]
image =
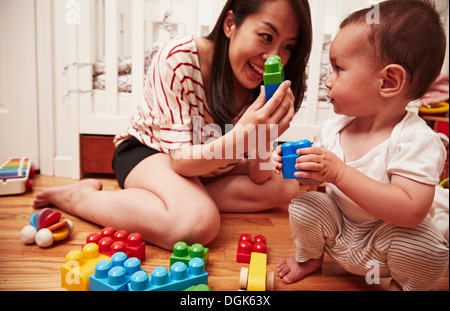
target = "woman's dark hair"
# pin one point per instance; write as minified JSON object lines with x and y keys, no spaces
{"x":222,"y":93}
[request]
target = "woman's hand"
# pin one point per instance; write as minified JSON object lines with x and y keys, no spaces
{"x":278,"y":110}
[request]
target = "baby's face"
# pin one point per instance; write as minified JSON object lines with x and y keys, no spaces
{"x":353,"y":85}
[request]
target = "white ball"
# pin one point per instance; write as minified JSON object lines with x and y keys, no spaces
{"x":69,"y":225}
{"x":44,"y":238}
{"x":28,"y":234}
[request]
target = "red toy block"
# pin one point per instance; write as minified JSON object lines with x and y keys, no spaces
{"x":246,"y":246}
{"x":135,"y":246}
{"x":111,"y":242}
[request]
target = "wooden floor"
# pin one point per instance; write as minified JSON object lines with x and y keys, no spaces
{"x":29,"y":267}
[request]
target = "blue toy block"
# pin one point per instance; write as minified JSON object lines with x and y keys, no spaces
{"x":179,"y":278}
{"x":273,"y":75}
{"x":289,"y":157}
{"x":270,"y":89}
{"x":114,"y":275}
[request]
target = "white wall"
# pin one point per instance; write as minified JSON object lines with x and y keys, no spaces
{"x":18,"y":85}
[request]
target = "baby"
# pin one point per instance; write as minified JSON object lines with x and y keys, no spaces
{"x":381,"y":162}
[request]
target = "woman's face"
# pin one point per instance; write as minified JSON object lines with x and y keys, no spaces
{"x":271,"y":31}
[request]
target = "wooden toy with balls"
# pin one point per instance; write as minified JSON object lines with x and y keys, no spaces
{"x":46,"y":227}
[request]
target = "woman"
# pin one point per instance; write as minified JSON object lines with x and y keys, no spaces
{"x":177,"y":171}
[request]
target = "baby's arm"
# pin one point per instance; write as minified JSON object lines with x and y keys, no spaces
{"x":403,"y":202}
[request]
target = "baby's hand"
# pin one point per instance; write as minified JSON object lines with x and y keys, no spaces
{"x":319,"y":164}
{"x":276,"y":160}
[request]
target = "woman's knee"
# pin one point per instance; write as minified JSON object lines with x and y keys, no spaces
{"x":200,"y":224}
{"x":280,"y":192}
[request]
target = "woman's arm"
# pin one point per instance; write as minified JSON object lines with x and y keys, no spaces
{"x":198,"y":160}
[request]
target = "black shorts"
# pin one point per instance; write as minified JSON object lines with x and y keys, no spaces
{"x":127,"y":155}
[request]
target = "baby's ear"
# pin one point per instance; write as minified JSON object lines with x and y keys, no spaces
{"x":393,"y":80}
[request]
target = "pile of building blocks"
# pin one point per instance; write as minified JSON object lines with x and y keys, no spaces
{"x":111,"y":261}
{"x":246,"y":247}
{"x":184,"y":253}
{"x":289,"y":157}
{"x":273,"y":75}
{"x":46,"y":226}
{"x":111,"y":242}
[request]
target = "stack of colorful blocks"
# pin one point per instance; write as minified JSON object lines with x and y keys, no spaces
{"x":111,"y":261}
{"x":254,"y":252}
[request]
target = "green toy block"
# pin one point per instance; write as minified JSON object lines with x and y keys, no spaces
{"x":274,"y":70}
{"x":198,"y":288}
{"x":184,"y":253}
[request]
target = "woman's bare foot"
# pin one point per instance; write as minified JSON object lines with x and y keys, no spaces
{"x":291,"y":271}
{"x":64,"y":197}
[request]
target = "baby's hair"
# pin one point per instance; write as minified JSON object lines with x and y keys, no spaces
{"x":409,"y":33}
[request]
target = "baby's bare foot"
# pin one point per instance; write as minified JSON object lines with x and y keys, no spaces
{"x":291,"y":271}
{"x":65,"y":197}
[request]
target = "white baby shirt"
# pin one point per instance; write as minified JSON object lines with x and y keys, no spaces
{"x":413,"y":151}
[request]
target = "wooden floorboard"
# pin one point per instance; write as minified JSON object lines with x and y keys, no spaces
{"x":29,"y":267}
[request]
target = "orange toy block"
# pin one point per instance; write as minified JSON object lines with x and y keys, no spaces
{"x":79,"y":266}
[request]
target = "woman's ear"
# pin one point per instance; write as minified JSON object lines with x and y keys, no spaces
{"x":393,"y":80}
{"x":228,"y":25}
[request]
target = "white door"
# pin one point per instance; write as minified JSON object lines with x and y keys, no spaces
{"x":18,"y":82}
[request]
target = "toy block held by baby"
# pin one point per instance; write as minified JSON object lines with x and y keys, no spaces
{"x":246,"y":247}
{"x":289,"y":157}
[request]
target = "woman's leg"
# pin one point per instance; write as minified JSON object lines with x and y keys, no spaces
{"x":239,"y":194}
{"x":156,"y":202}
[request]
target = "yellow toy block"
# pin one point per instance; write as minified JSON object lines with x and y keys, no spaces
{"x":257,"y":272}
{"x":79,"y":266}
